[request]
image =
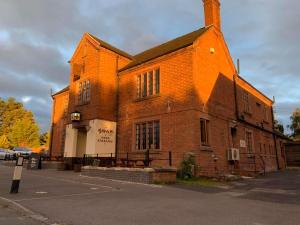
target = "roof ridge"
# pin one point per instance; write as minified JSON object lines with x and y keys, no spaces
{"x":165,"y":48}
{"x":166,"y":42}
{"x":110,"y":47}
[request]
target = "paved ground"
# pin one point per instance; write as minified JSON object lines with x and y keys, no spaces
{"x":55,"y":197}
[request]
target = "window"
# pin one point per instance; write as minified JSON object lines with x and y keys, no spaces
{"x":204,"y":129}
{"x":145,"y":85}
{"x":84,"y":92}
{"x":150,"y":88}
{"x":249,"y":141}
{"x":157,"y":81}
{"x":139,"y":86}
{"x":148,"y":84}
{"x":247,"y":108}
{"x":148,"y":135}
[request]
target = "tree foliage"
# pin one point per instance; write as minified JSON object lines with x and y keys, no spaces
{"x":4,"y":142}
{"x":45,"y":139}
{"x":278,"y":126}
{"x":17,"y":125}
{"x":295,"y":125}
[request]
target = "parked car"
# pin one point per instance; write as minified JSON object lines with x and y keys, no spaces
{"x":3,"y":154}
{"x":11,"y":155}
{"x":25,"y":152}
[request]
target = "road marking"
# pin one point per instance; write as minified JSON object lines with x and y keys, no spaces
{"x":41,"y":192}
{"x":274,"y":191}
{"x":30,"y":213}
{"x":94,"y":188}
{"x":62,"y":196}
{"x":73,"y":181}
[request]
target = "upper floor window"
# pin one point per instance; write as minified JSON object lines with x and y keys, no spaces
{"x":148,"y":135}
{"x":204,"y":129}
{"x":265,"y":113}
{"x":84,"y":92}
{"x":148,"y":84}
{"x":246,"y":102}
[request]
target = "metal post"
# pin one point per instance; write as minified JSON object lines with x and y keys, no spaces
{"x":170,"y":158}
{"x":17,"y":176}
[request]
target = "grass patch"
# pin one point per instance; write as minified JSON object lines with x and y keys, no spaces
{"x":200,"y":181}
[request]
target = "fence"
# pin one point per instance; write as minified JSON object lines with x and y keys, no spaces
{"x":128,"y":159}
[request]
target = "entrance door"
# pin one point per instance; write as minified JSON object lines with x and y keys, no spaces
{"x":81,"y":143}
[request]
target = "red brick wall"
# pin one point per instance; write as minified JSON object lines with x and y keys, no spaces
{"x":59,"y":119}
{"x":100,"y":69}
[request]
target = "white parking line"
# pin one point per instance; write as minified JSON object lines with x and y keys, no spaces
{"x":74,"y":182}
{"x":30,"y":213}
{"x":62,"y":196}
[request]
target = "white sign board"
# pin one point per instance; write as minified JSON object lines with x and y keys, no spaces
{"x":242,"y":143}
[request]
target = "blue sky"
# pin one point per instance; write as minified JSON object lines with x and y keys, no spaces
{"x":37,"y":38}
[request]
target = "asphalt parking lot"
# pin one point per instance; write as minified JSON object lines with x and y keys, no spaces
{"x":59,"y":197}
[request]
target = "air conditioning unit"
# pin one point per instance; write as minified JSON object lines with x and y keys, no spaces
{"x":233,"y":154}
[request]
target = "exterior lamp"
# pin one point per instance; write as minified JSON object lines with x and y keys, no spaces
{"x":75,"y":116}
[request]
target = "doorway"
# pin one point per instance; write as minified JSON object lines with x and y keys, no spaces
{"x":81,"y":143}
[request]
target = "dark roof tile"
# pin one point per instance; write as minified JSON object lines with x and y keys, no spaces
{"x":166,"y":48}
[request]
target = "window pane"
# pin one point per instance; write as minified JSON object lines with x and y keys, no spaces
{"x":144,"y":136}
{"x":157,"y":81}
{"x":138,"y":137}
{"x":203,"y":132}
{"x":150,"y":83}
{"x":157,"y":134}
{"x":88,"y":91}
{"x":145,"y":85}
{"x":150,"y":135}
{"x":139,"y":84}
{"x":249,"y":142}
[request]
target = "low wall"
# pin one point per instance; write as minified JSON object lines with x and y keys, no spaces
{"x":137,"y":175}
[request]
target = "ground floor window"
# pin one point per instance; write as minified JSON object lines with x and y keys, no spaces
{"x":204,"y":129}
{"x":249,"y":141}
{"x":148,"y":135}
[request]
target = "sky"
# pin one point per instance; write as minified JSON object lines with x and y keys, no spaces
{"x":38,"y":37}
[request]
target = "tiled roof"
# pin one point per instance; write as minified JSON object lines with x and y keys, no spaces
{"x":166,"y":48}
{"x":62,"y":91}
{"x":112,"y":48}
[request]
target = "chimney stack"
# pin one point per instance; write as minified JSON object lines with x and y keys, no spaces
{"x":212,"y":13}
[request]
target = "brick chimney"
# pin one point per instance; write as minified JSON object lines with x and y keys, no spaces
{"x":212,"y":13}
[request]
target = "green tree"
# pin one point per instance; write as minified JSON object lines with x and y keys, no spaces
{"x":278,"y":126}
{"x":17,"y":125}
{"x":4,"y":142}
{"x":11,"y":111}
{"x":25,"y":133}
{"x":45,"y":139}
{"x":295,"y":125}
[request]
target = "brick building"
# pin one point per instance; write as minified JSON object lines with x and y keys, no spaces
{"x":182,"y":96}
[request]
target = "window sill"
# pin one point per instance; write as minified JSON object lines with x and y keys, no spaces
{"x":206,"y":148}
{"x":83,"y":104}
{"x":147,"y":98}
